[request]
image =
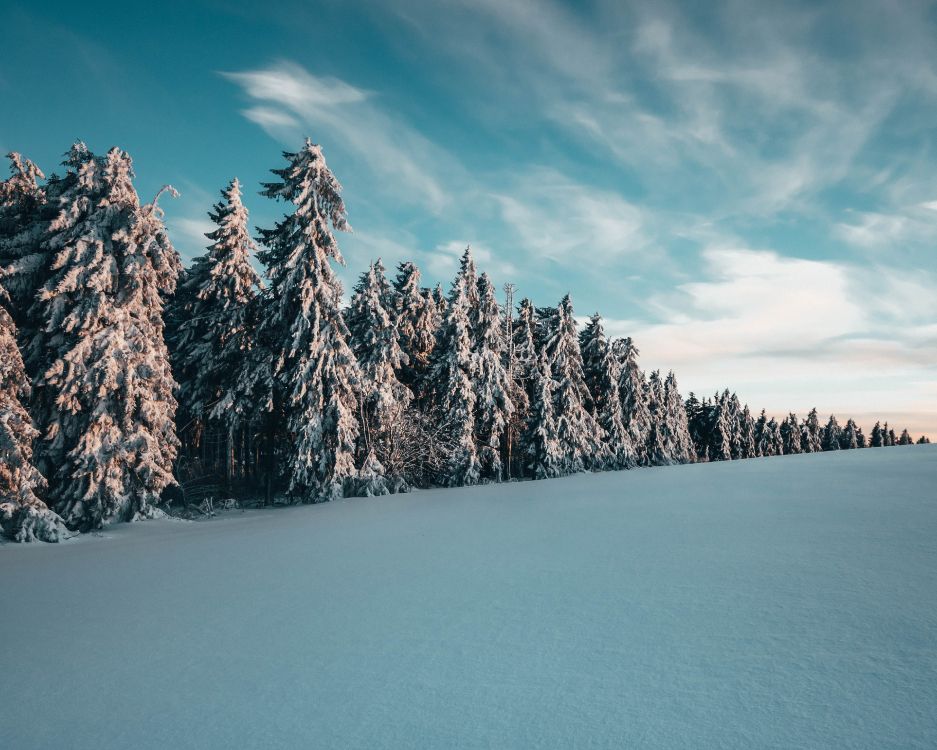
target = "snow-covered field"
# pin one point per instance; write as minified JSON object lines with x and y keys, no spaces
{"x":782,"y":602}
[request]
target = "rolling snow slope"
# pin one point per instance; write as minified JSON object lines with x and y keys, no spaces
{"x":783,"y":602}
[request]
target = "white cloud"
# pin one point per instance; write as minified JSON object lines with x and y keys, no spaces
{"x":403,"y":163}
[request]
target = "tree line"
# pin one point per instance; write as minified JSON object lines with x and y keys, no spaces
{"x":129,"y":384}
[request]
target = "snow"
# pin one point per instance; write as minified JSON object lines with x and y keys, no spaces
{"x":780,"y":602}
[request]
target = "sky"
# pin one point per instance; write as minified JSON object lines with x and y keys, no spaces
{"x":749,"y":190}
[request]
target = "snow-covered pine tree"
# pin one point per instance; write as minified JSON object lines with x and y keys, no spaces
{"x":314,"y":370}
{"x":697,"y":423}
{"x":213,"y":332}
{"x":861,"y":441}
{"x":905,"y":438}
{"x":582,"y":440}
{"x":452,"y":375}
{"x":849,"y":437}
{"x":877,"y":438}
{"x":888,"y":436}
{"x":761,"y":425}
{"x":384,"y":399}
{"x":832,"y":435}
{"x":811,"y":433}
{"x":493,"y":386}
{"x":415,"y":316}
{"x":660,"y":445}
{"x":722,"y":425}
{"x":106,"y":401}
{"x":773,"y":444}
{"x":540,"y":445}
{"x":632,"y":393}
{"x":517,"y":362}
{"x":790,"y":434}
{"x":600,"y":369}
{"x":683,"y":450}
{"x":748,"y":447}
{"x":24,"y":517}
{"x":23,"y":218}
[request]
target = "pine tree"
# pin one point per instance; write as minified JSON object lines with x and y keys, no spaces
{"x":452,"y":375}
{"x":23,"y":219}
{"x":683,"y":449}
{"x":811,"y":433}
{"x":832,"y":435}
{"x":581,"y":437}
{"x":877,"y":439}
{"x":375,"y":341}
{"x":493,"y":404}
{"x":746,"y":429}
{"x":415,"y":317}
{"x":24,"y":517}
{"x":660,"y":444}
{"x":213,"y":330}
{"x":773,"y":442}
{"x":632,"y":393}
{"x":314,"y":372}
{"x":849,"y":437}
{"x":601,"y":373}
{"x":905,"y":438}
{"x":106,"y":398}
{"x":696,"y":416}
{"x":790,"y":434}
{"x":541,"y":441}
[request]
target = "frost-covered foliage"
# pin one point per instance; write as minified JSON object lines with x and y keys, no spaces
{"x":384,"y":399}
{"x":683,"y":450}
{"x":414,"y":313}
{"x":106,"y":403}
{"x":493,"y":404}
{"x":24,"y":517}
{"x":632,"y":392}
{"x":790,"y":434}
{"x":314,"y":372}
{"x":543,"y":457}
{"x":811,"y":433}
{"x":582,"y":439}
{"x":602,"y":374}
{"x":23,"y":215}
{"x":453,"y":373}
{"x":213,"y":332}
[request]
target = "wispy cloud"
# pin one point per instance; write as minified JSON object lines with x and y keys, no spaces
{"x":288,"y":100}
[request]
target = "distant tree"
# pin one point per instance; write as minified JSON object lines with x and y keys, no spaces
{"x":632,"y":392}
{"x":923,"y":440}
{"x":541,"y":442}
{"x":878,"y":437}
{"x":905,"y":438}
{"x":790,"y":434}
{"x":812,"y":433}
{"x":832,"y":435}
{"x":849,"y":437}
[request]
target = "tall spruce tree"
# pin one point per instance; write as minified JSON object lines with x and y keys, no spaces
{"x":493,"y":386}
{"x":812,"y":433}
{"x":581,"y":438}
{"x":632,"y":393}
{"x":832,"y":435}
{"x":24,"y":517}
{"x":375,"y":341}
{"x":601,"y":372}
{"x":849,"y":437}
{"x":213,"y":331}
{"x":543,"y":456}
{"x":453,"y":372}
{"x":683,"y":449}
{"x":415,"y":317}
{"x":790,"y":434}
{"x":106,"y":402}
{"x":314,"y":373}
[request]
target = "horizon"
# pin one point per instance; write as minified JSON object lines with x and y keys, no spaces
{"x":752,"y":194}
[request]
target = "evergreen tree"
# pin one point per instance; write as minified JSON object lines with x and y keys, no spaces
{"x":415,"y":316}
{"x":905,"y":438}
{"x":581,"y":438}
{"x":790,"y":434}
{"x":892,"y":439}
{"x":314,"y":373}
{"x":697,"y":419}
{"x":600,"y":370}
{"x":24,"y":517}
{"x":683,"y":449}
{"x":721,"y":425}
{"x":106,"y":397}
{"x":748,"y":445}
{"x":877,"y":439}
{"x":812,"y":433}
{"x":923,"y":440}
{"x":832,"y":435}
{"x":632,"y":393}
{"x":774,"y":442}
{"x":493,"y":404}
{"x":541,"y":442}
{"x":213,"y":327}
{"x":375,"y":341}
{"x":660,"y":445}
{"x":453,"y":372}
{"x":849,"y":437}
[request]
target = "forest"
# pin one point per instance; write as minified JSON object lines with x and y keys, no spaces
{"x":131,"y":386}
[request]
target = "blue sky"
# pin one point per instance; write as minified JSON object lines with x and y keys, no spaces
{"x":748,"y":189}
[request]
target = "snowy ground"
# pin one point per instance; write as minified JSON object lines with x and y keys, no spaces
{"x":783,"y":602}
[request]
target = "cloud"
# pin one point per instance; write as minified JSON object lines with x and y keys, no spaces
{"x":405,"y":165}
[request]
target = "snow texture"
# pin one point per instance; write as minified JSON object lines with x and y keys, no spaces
{"x":781,"y":602}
